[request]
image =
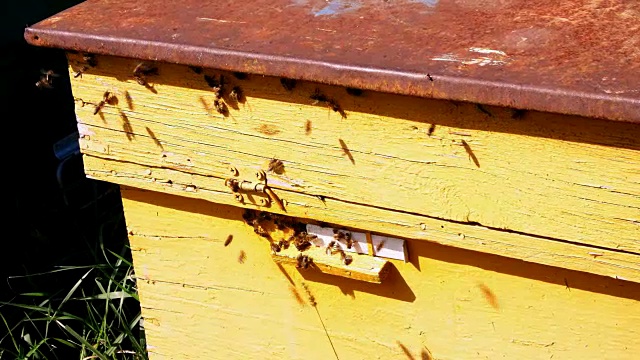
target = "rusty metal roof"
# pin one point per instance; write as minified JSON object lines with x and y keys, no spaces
{"x":573,"y":57}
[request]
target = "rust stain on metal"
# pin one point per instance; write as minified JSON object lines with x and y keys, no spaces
{"x":585,"y":62}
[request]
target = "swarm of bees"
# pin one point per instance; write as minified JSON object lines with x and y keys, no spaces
{"x":46,"y":79}
{"x":300,"y":238}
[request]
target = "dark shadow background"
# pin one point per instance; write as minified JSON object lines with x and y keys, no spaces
{"x":53,"y":215}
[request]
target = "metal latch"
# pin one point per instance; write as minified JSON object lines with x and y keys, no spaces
{"x":245,"y":190}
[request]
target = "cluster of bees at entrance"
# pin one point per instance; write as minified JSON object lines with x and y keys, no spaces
{"x":261,"y":221}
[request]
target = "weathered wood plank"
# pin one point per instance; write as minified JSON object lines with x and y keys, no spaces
{"x":569,"y":178}
{"x":446,"y":303}
{"x":518,"y":246}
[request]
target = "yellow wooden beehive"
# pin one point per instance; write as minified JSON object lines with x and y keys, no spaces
{"x":509,"y":233}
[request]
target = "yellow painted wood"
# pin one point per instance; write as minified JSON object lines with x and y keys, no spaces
{"x":363,"y":268}
{"x":567,"y":178}
{"x":200,"y":302}
{"x":518,"y":246}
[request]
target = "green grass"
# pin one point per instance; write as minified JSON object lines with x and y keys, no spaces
{"x":85,"y":311}
{"x":91,"y":318}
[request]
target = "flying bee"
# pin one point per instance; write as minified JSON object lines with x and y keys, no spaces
{"x":307,"y":127}
{"x":106,"y":98}
{"x":432,"y":128}
{"x":228,"y":241}
{"x":333,"y":105}
{"x":276,"y":247}
{"x":276,"y":166}
{"x":46,"y":79}
{"x":304,"y":261}
{"x":78,"y":73}
{"x":141,"y":71}
{"x":380,"y":246}
{"x":242,"y":257}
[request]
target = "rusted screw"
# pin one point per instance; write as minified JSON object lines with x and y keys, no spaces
{"x":261,"y":175}
{"x":239,"y":198}
{"x":233,"y":171}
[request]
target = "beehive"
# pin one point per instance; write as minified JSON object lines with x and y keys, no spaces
{"x":509,"y":180}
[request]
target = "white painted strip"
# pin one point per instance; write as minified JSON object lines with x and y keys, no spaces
{"x":392,"y":248}
{"x":325,"y":236}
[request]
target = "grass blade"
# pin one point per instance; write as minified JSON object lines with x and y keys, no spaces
{"x":82,"y":340}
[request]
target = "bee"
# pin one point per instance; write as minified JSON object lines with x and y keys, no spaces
{"x":276,"y":247}
{"x":288,"y":84}
{"x":333,"y":105}
{"x":242,"y":257}
{"x":317,"y":97}
{"x":517,"y":114}
{"x":221,"y":107}
{"x":78,"y":73}
{"x":249,"y":216}
{"x":141,"y":71}
{"x":483,"y":110}
{"x":90,"y":59}
{"x":380,"y":245}
{"x":284,"y":244}
{"x":429,"y":77}
{"x":304,"y":261}
{"x":236,"y":94}
{"x":307,"y":127}
{"x":211,"y":81}
{"x":348,"y":240}
{"x":354,"y":91}
{"x":432,"y":128}
{"x":302,"y":241}
{"x":333,"y":248}
{"x":240,"y":75}
{"x":106,"y":99}
{"x":46,"y":79}
{"x":258,"y":229}
{"x":228,"y":241}
{"x":276,"y":166}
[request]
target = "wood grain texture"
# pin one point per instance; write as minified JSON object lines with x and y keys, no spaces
{"x":518,"y":246}
{"x":199,"y":302}
{"x":363,"y":268}
{"x":567,"y":178}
